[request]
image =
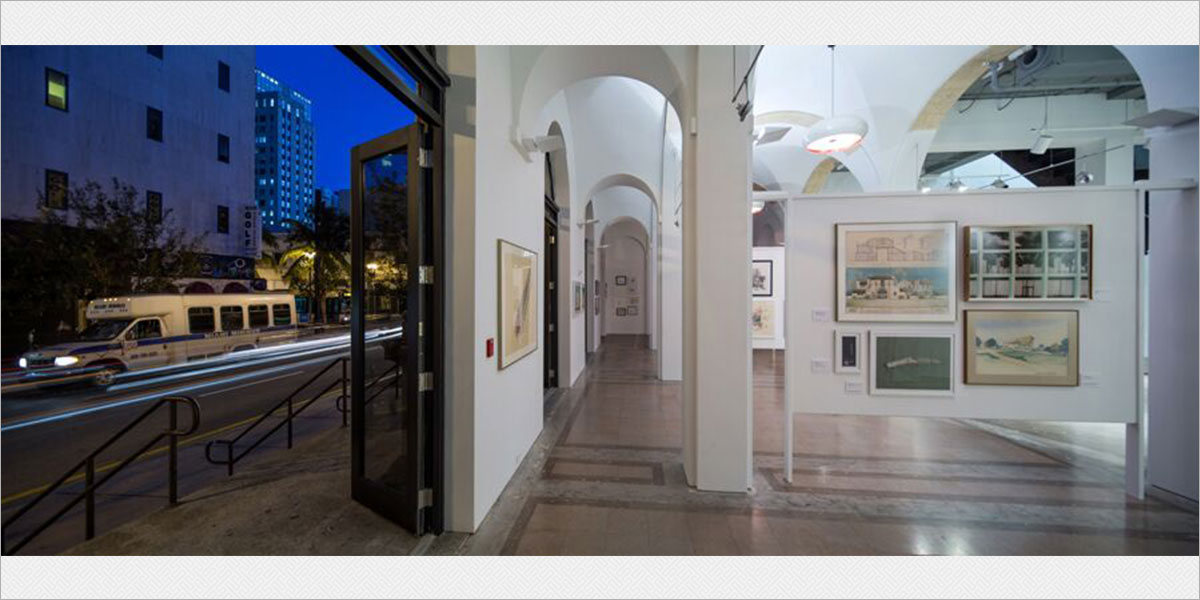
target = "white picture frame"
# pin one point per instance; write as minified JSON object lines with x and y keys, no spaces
{"x":897,"y":272}
{"x":894,"y":353}
{"x":857,"y":352}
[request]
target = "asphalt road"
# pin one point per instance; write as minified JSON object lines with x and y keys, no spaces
{"x":42,"y":435}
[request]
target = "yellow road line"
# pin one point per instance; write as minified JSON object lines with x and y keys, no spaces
{"x":154,"y":452}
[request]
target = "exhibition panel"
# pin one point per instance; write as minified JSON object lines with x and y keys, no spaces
{"x":876,"y":265}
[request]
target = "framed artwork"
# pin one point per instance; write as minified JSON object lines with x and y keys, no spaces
{"x":762,"y":319}
{"x":621,"y":311}
{"x":847,"y":351}
{"x":912,"y":363}
{"x":631,"y":311}
{"x":1021,"y":347}
{"x":580,"y":295}
{"x":762,"y":277}
{"x":896,"y":271}
{"x":518,"y":302}
{"x":1028,"y":262}
{"x":621,"y":280}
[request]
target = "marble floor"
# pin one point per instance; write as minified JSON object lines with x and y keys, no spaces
{"x":605,"y":477}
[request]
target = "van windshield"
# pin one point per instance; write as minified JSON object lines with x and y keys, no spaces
{"x":104,"y":329}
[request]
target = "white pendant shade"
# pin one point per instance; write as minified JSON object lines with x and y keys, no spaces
{"x":835,"y":134}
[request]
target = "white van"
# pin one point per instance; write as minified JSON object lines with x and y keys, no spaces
{"x":152,"y":330}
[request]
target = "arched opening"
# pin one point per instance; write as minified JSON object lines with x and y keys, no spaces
{"x":199,"y":287}
{"x":1037,"y":116}
{"x":624,"y":268}
{"x":235,"y":288}
{"x":559,"y":286}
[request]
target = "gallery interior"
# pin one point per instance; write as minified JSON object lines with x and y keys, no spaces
{"x":786,"y":300}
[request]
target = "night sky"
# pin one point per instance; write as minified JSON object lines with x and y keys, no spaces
{"x":348,"y":106}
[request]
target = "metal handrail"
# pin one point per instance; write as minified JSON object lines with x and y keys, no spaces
{"x":231,"y":459}
{"x":88,"y":464}
{"x":341,"y":402}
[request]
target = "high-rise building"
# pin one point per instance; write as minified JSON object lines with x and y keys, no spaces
{"x":174,"y":122}
{"x":284,"y":146}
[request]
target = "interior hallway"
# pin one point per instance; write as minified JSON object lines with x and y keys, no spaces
{"x":605,"y":477}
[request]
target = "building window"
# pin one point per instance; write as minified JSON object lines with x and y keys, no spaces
{"x":282,"y":314}
{"x":222,"y":148}
{"x":222,"y":219}
{"x":154,"y":124}
{"x":223,"y":76}
{"x":56,"y":189}
{"x":259,"y":316}
{"x":154,"y":208}
{"x":155,"y":51}
{"x":56,"y":89}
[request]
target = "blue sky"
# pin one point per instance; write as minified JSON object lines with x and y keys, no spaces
{"x":348,"y":106}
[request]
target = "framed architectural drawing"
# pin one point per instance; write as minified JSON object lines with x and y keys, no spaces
{"x":896,"y":271}
{"x":1021,"y":347}
{"x":847,"y":351}
{"x":518,"y":302}
{"x":912,"y":363}
{"x":1028,"y":262}
{"x":762,"y":277}
{"x":762,"y":319}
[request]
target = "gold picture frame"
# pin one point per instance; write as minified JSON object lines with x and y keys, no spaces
{"x":517,"y":302}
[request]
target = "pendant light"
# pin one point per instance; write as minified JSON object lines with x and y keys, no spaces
{"x":834,"y":133}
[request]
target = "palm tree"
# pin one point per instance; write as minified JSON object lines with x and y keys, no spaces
{"x":317,"y":258}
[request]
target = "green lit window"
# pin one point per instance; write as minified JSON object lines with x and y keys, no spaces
{"x":56,"y":89}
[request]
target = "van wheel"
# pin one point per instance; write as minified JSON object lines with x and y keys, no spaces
{"x":106,"y":377}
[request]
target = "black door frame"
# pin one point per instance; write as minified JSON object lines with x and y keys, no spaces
{"x":551,"y":289}
{"x":428,"y":103}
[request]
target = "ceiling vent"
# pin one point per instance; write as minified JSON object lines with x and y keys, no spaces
{"x":1033,"y":61}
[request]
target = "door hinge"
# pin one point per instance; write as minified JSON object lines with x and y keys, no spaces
{"x":426,"y":274}
{"x":550,"y":284}
{"x":551,"y":327}
{"x":553,"y":239}
{"x":424,"y":158}
{"x":421,"y":329}
{"x":425,"y":498}
{"x":552,"y":374}
{"x":425,"y":383}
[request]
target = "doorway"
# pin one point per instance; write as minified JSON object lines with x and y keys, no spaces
{"x":550,"y":370}
{"x":396,"y":220}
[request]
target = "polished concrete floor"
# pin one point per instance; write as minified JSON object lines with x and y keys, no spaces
{"x":605,"y":477}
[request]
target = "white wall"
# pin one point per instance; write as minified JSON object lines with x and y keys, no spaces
{"x":625,"y":255}
{"x":1174,"y":328}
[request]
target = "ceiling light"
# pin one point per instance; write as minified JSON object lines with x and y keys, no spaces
{"x":757,"y":206}
{"x":1041,"y":143}
{"x":834,"y":133}
{"x":1000,"y":184}
{"x":1084,"y":178}
{"x":957,"y":184}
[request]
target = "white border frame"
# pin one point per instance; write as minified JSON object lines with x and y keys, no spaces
{"x":951,"y":335}
{"x":857,"y":369}
{"x":951,"y":313}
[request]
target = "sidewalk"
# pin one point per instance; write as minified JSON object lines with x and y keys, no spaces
{"x":295,"y":503}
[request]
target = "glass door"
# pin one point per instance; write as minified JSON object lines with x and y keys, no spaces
{"x":389,"y":347}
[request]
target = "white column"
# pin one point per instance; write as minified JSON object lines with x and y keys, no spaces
{"x":717,"y":282}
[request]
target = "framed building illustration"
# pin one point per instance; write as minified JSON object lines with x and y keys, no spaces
{"x":896,"y":271}
{"x":517,"y":302}
{"x":1028,"y":263}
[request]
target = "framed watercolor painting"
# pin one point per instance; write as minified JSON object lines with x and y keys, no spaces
{"x":1021,"y":347}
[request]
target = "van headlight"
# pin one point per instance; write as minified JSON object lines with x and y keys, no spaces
{"x":23,"y":363}
{"x":65,"y":361}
